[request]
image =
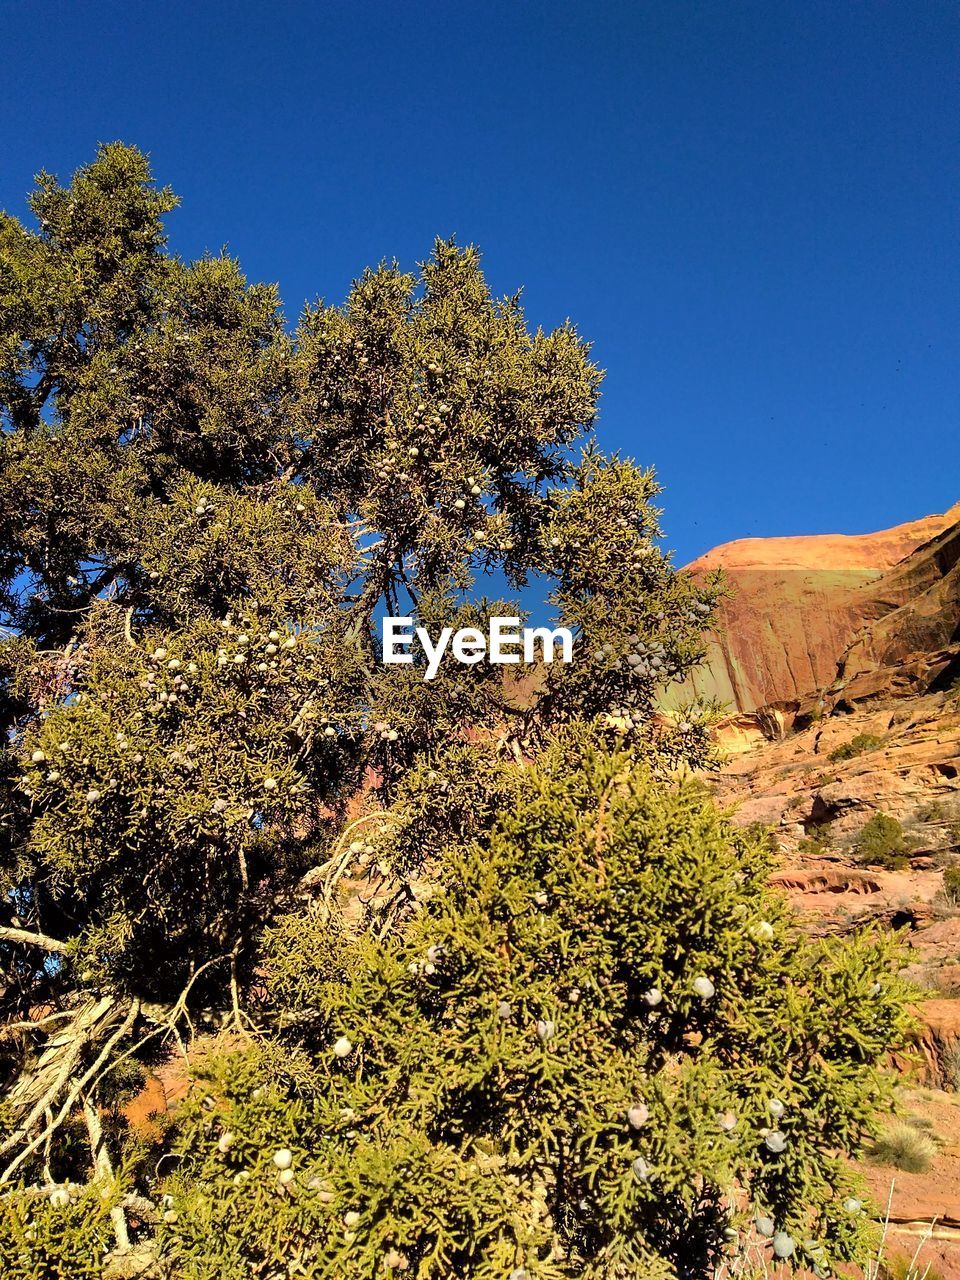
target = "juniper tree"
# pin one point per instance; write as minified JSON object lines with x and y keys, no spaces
{"x":534,"y":1079}
{"x":202,"y":515}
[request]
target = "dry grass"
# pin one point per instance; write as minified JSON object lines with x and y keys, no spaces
{"x":904,"y":1146}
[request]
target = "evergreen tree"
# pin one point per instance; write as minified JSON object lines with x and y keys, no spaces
{"x":221,"y":809}
{"x":534,"y":1078}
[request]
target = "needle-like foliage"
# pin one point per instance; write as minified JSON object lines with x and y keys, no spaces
{"x":423,"y":914}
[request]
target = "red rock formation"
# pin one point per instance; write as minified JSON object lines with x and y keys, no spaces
{"x":917,"y":622}
{"x":840,"y":657}
{"x":797,"y":603}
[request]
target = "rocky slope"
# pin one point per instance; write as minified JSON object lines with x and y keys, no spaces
{"x":797,"y":603}
{"x":819,"y":807}
{"x":846,"y":680}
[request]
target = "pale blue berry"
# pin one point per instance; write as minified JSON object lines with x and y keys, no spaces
{"x":783,"y":1245}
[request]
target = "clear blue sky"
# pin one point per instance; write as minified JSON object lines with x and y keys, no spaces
{"x":750,"y":208}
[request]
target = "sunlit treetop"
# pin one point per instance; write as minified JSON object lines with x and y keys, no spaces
{"x":181,"y":474}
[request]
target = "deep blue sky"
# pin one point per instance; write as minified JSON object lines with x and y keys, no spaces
{"x":750,"y":208}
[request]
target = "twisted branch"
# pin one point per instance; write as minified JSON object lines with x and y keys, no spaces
{"x":76,"y":1089}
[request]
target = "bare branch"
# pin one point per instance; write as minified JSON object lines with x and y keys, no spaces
{"x":76,"y":1089}
{"x":42,"y":1085}
{"x":12,"y":1028}
{"x":103,"y":1170}
{"x":30,"y":939}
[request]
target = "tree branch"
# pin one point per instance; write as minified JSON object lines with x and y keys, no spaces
{"x":56,"y":1064}
{"x":76,"y":1090}
{"x":103,"y":1170}
{"x":31,"y":939}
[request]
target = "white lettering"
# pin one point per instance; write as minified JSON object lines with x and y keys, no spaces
{"x":434,"y":654}
{"x":469,"y":645}
{"x":394,"y":639}
{"x":548,"y":640}
{"x":504,"y":632}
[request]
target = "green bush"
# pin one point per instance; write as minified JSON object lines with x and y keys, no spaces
{"x":816,"y":841}
{"x":951,"y":883}
{"x":882,"y":843}
{"x":856,"y":747}
{"x":601,"y":1023}
{"x":932,"y":811}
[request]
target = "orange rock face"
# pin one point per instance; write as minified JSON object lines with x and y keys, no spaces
{"x":840,"y":660}
{"x":797,"y":603}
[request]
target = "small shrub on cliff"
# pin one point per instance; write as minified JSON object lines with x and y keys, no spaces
{"x":857,"y":746}
{"x":951,"y":883}
{"x":944,"y":817}
{"x":816,"y":841}
{"x":932,"y":811}
{"x":882,"y":843}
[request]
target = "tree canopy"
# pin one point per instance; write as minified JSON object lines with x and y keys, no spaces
{"x":232,"y":834}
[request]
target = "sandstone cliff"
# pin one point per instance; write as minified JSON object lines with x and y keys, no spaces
{"x":798,"y":603}
{"x":841,"y":657}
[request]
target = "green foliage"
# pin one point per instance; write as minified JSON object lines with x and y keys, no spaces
{"x":41,"y":1239}
{"x":856,"y":747}
{"x":495,"y":1052}
{"x":951,"y":883}
{"x":906,"y":1268}
{"x":882,"y":843}
{"x":933,"y":811}
{"x":816,"y":841}
{"x":514,"y":1000}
